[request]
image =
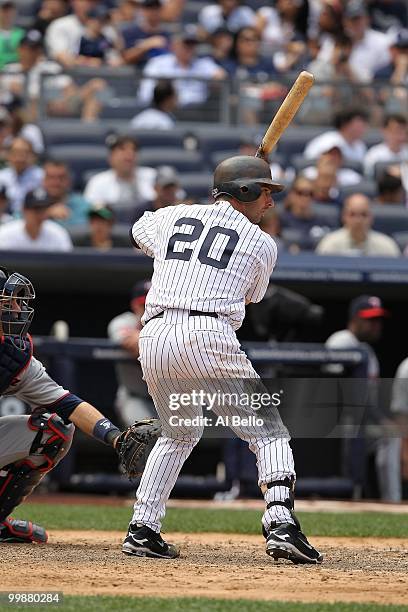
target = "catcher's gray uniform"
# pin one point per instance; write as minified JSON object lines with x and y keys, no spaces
{"x":41,"y":392}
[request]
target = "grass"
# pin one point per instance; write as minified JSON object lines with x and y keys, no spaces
{"x":361,"y":524}
{"x":190,"y":604}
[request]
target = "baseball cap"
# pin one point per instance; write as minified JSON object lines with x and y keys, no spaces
{"x":37,"y":200}
{"x":367,"y":307}
{"x":150,"y":3}
{"x":104,"y":211}
{"x":98,"y":12}
{"x":116,"y":140}
{"x":401,"y":40}
{"x":166,"y":175}
{"x":188,"y":35}
{"x":33,"y":39}
{"x":4,"y":115}
{"x":139,"y":291}
{"x":355,"y":8}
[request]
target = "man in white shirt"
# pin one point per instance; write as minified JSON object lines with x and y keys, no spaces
{"x":126,"y":186}
{"x":35,"y":232}
{"x":159,"y":116}
{"x":64,"y":34}
{"x":227,"y":13}
{"x":21,"y":175}
{"x":394,"y":147}
{"x":370,"y":48}
{"x":181,"y":63}
{"x":356,"y":236}
{"x":351,"y":125}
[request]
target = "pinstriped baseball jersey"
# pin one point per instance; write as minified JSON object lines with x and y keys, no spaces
{"x":208,"y":258}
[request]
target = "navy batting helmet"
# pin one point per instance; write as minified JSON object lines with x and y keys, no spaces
{"x":15,"y":313}
{"x":243,"y":178}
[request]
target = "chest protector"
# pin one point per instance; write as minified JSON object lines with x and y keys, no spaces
{"x":13,"y":360}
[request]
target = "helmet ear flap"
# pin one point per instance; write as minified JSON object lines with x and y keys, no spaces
{"x":245,"y":191}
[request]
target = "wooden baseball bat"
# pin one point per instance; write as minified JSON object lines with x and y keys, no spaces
{"x":286,"y":112}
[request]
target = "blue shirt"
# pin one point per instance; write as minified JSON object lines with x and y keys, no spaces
{"x":134,"y":34}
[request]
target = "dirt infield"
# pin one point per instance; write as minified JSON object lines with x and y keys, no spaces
{"x":211,"y":565}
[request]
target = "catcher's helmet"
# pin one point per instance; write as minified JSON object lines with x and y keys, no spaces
{"x":243,"y":178}
{"x":15,"y":313}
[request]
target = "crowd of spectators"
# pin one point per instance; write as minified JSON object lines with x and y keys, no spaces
{"x":343,"y":42}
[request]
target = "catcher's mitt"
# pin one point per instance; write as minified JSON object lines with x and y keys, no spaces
{"x":134,"y":444}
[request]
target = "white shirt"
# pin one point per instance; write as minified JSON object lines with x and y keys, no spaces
{"x":13,"y":74}
{"x":152,"y":119}
{"x":345,"y":176}
{"x":18,"y":185}
{"x":324,"y":142}
{"x":370,"y":54}
{"x":224,"y":260}
{"x":399,"y":397}
{"x":340,"y":242}
{"x":189,"y":90}
{"x":382,"y":153}
{"x":345,"y":339}
{"x":211,"y":18}
{"x":52,"y":237}
{"x":276,"y":33}
{"x":367,"y":56}
{"x":63,"y":35}
{"x":106,"y":187}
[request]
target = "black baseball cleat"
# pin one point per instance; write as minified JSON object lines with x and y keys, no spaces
{"x":286,"y":541}
{"x":14,"y":531}
{"x":141,"y":541}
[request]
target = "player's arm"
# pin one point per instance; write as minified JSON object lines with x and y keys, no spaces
{"x":42,"y":393}
{"x":267,"y":255}
{"x":143,"y":233}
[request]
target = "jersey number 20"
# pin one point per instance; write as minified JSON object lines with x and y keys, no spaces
{"x":203,"y":256}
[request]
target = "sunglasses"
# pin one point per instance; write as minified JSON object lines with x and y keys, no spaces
{"x":303,"y":192}
{"x":353,"y":213}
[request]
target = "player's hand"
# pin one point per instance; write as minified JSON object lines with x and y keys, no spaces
{"x":134,"y":444}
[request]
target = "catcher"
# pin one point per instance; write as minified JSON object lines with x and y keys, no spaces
{"x":31,"y":446}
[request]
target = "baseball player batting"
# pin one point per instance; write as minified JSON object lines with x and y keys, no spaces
{"x":209,"y":261}
{"x":31,"y":446}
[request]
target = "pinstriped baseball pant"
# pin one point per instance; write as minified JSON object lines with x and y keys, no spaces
{"x":179,"y":353}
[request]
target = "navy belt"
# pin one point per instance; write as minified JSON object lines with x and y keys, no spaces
{"x":191,"y":313}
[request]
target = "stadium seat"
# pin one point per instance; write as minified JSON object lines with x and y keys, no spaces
{"x":197,"y":186}
{"x":121,"y":108}
{"x":183,"y":161}
{"x":160,"y":138}
{"x":381,"y":166}
{"x":191,"y":11}
{"x":222,"y":138}
{"x":294,"y":140}
{"x":401,"y":238}
{"x":390,"y":218}
{"x":366,"y":186}
{"x":299,"y":162}
{"x":80,"y":158}
{"x":65,"y":132}
{"x":330,"y":212}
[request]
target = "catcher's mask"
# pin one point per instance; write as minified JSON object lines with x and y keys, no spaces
{"x":15,"y":313}
{"x":243,"y":177}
